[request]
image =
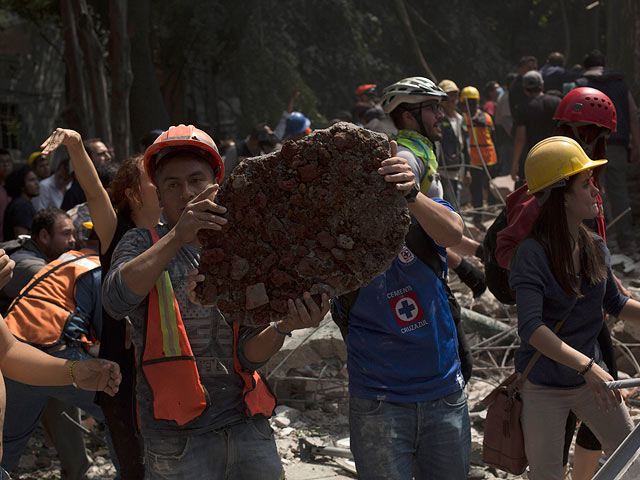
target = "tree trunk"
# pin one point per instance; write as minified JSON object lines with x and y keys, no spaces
{"x":567,"y":30}
{"x":404,"y":18}
{"x":94,"y":61}
{"x":121,"y":78}
{"x":147,"y":107}
{"x":76,"y":115}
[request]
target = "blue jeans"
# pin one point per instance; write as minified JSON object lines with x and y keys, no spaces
{"x":25,"y":404}
{"x":243,"y":451}
{"x":428,"y":440}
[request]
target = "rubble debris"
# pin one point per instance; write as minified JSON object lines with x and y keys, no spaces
{"x":314,"y":217}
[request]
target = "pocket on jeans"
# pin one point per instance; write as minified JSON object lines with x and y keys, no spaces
{"x":169,"y":448}
{"x":364,"y":406}
{"x":262,"y":427}
{"x":455,"y":399}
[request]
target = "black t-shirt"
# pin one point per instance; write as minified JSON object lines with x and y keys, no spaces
{"x":73,"y":196}
{"x":19,"y":213}
{"x":537,"y":117}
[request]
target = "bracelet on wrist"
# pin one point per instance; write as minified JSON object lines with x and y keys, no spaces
{"x":587,"y":368}
{"x":73,"y":379}
{"x":275,"y":327}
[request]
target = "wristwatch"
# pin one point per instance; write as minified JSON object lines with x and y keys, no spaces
{"x":413,"y":193}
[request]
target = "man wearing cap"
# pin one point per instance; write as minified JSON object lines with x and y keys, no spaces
{"x":193,"y":366}
{"x":533,"y":121}
{"x":366,"y":94}
{"x":452,"y":150}
{"x":40,"y":165}
{"x":297,"y":126}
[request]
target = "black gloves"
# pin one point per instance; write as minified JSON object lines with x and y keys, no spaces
{"x":472,"y":277}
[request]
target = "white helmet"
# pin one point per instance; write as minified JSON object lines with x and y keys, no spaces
{"x":409,"y":90}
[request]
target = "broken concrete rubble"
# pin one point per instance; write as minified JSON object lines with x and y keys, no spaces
{"x":314,"y":217}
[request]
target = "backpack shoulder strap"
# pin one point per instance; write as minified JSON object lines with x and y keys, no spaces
{"x":422,"y":246}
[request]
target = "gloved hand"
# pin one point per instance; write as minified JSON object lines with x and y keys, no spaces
{"x":472,"y":277}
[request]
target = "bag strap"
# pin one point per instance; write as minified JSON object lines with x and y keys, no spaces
{"x":537,"y":355}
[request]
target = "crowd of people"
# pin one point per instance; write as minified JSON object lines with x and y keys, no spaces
{"x":100,"y":265}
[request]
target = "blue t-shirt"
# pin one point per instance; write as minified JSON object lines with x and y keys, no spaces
{"x":542,"y":301}
{"x":402,"y":344}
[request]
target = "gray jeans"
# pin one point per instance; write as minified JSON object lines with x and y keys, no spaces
{"x":544,"y":415}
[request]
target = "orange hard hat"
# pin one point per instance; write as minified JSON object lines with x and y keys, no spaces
{"x":183,"y":137}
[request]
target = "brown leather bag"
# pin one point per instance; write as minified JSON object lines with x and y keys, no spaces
{"x":503,"y":443}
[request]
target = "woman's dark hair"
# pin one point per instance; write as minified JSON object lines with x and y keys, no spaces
{"x":14,"y":183}
{"x":127,"y":176}
{"x":552,"y":231}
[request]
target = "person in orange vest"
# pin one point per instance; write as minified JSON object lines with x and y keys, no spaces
{"x":481,"y":148}
{"x":40,"y":344}
{"x":203,"y":408}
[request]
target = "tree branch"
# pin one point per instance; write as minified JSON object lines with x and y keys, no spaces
{"x":404,"y":18}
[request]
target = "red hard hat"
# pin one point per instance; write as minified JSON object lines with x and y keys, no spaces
{"x":362,"y":89}
{"x":588,"y":105}
{"x":177,"y":138}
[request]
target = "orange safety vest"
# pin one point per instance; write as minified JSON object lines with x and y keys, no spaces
{"x":40,"y":313}
{"x":482,"y":131}
{"x":170,"y":368}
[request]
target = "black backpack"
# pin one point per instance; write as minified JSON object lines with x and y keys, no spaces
{"x":497,"y":278}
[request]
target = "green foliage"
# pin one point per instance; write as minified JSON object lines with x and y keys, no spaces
{"x":257,"y":51}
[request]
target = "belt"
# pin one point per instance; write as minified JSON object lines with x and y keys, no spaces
{"x":61,"y":346}
{"x":55,"y":348}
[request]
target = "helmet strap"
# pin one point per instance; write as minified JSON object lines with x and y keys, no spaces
{"x":547,"y":191}
{"x":418,"y":118}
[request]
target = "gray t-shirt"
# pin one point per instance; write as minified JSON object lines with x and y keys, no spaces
{"x":210,"y":336}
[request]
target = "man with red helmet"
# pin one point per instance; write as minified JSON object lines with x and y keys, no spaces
{"x":366,"y":94}
{"x":196,"y":414}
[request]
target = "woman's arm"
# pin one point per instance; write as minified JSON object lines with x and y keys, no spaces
{"x":631,"y":311}
{"x":548,"y":343}
{"x":102,"y":213}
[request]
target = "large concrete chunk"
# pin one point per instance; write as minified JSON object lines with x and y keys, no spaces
{"x":314,"y":217}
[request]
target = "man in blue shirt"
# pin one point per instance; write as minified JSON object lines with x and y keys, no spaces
{"x":408,"y":410}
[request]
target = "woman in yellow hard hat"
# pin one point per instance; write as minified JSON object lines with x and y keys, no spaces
{"x":562,"y":273}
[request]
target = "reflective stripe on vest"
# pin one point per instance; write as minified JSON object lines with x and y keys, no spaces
{"x":422,"y":148}
{"x":39,"y":314}
{"x":170,"y":367}
{"x":168,"y":364}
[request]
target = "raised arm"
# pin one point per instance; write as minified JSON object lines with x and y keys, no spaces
{"x":102,"y":213}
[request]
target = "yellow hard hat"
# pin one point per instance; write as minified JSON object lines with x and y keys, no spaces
{"x":469,"y":92}
{"x":448,"y":86}
{"x":33,"y":156}
{"x":554,"y":159}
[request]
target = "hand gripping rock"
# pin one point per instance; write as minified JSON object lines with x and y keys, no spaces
{"x":315,"y":216}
